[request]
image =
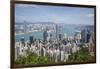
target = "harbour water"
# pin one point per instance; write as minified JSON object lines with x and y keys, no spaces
{"x":69,"y":30}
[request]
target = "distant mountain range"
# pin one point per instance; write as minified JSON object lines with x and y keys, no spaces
{"x":35,"y":23}
{"x":78,"y":25}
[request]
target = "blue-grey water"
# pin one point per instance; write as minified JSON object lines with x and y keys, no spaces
{"x":37,"y":35}
{"x":69,"y":30}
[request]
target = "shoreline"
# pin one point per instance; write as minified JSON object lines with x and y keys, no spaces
{"x":31,"y":32}
{"x":26,"y":32}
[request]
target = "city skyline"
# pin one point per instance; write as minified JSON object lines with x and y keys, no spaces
{"x":47,"y":34}
{"x":56,"y":14}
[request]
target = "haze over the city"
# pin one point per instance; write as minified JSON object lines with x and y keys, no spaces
{"x":56,"y":14}
{"x":52,"y":34}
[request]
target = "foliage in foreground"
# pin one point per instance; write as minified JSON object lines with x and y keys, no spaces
{"x":34,"y":59}
{"x":81,"y":56}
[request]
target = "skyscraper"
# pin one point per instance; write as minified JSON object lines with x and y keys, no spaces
{"x":77,"y":37}
{"x":45,"y":35}
{"x":60,"y":36}
{"x":17,"y":50}
{"x":23,"y":41}
{"x":88,"y":36}
{"x":51,"y":38}
{"x":31,"y":39}
{"x":84,"y":35}
{"x":56,"y":31}
{"x":92,"y":45}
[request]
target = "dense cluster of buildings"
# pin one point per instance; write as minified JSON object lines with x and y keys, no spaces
{"x":21,"y":28}
{"x":87,"y":37}
{"x":58,"y":48}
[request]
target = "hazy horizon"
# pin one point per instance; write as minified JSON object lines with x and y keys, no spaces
{"x":56,"y":14}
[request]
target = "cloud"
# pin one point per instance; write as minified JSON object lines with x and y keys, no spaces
{"x":90,"y":15}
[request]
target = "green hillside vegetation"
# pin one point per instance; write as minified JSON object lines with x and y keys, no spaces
{"x":34,"y":59}
{"x":81,"y":56}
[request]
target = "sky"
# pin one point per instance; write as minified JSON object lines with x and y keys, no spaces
{"x":57,"y":14}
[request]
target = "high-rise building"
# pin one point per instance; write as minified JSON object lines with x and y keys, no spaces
{"x":48,"y":37}
{"x":45,"y":35}
{"x":92,"y":45}
{"x":84,"y":35}
{"x":51,"y":38}
{"x":77,"y":37}
{"x":88,"y":36}
{"x":23,"y":41}
{"x":31,"y":39}
{"x":25,"y":27}
{"x":17,"y":50}
{"x":60,"y":36}
{"x":56,"y":31}
{"x":74,"y":47}
{"x":65,"y":35}
{"x":22,"y":45}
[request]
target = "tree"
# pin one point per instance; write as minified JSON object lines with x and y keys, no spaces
{"x":34,"y":59}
